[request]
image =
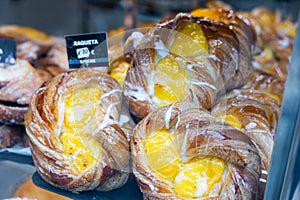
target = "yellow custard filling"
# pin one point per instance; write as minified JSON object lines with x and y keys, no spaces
{"x":162,"y":154}
{"x":190,"y":41}
{"x":199,"y":177}
{"x":233,"y":121}
{"x":81,"y":117}
{"x":209,"y":13}
{"x":170,"y":82}
{"x":118,"y":71}
{"x":278,"y":98}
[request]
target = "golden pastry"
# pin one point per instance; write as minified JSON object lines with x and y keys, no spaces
{"x":23,"y":33}
{"x":118,"y":65}
{"x":183,"y":152}
{"x":277,"y":36}
{"x":18,"y":83}
{"x":184,"y":58}
{"x":39,"y":48}
{"x":256,"y":114}
{"x":75,"y":136}
{"x":267,"y":84}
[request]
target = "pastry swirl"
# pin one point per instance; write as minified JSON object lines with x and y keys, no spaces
{"x":187,"y":57}
{"x":18,"y":83}
{"x":256,"y":113}
{"x":76,"y":141}
{"x":169,"y":145}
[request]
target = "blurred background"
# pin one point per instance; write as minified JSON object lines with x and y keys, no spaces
{"x":80,"y":16}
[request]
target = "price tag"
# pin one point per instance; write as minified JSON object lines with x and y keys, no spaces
{"x":87,"y":50}
{"x":8,"y":48}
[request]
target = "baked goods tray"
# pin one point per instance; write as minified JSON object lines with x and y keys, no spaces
{"x":129,"y":191}
{"x":17,"y":153}
{"x":16,"y":157}
{"x":283,"y":173}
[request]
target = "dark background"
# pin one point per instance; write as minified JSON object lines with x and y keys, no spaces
{"x":63,"y":17}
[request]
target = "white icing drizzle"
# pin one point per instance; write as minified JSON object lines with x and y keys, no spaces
{"x":205,"y":84}
{"x":250,"y":126}
{"x":107,"y":94}
{"x":184,"y":145}
{"x":201,"y":187}
{"x":161,"y":49}
{"x":179,"y":177}
{"x":136,"y":38}
{"x":168,"y":116}
{"x":263,"y":180}
{"x":255,"y":64}
{"x":178,"y":120}
{"x":106,"y":119}
{"x":284,"y":42}
{"x":207,"y":144}
{"x":123,"y":119}
{"x":137,"y":92}
{"x":60,"y":117}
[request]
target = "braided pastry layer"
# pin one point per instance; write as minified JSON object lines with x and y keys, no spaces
{"x":181,"y":153}
{"x":76,"y":141}
{"x":187,"y":57}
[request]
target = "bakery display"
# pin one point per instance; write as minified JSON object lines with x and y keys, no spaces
{"x":183,"y":152}
{"x":39,"y":57}
{"x":190,"y":105}
{"x":251,"y":106}
{"x":76,"y":139}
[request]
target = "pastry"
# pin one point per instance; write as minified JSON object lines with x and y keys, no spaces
{"x":247,"y":39}
{"x":187,"y":58}
{"x":39,"y":57}
{"x":76,"y":140}
{"x":10,"y":135}
{"x":118,"y":65}
{"x":268,"y":84}
{"x":276,"y":41}
{"x":23,"y":33}
{"x":39,"y":48}
{"x":18,"y":83}
{"x":256,"y":114}
{"x":181,"y":152}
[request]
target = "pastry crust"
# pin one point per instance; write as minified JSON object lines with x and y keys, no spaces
{"x":198,"y":134}
{"x":257,"y":114}
{"x":44,"y":122}
{"x":18,"y":83}
{"x":268,"y":84}
{"x":39,"y":48}
{"x":227,"y":65}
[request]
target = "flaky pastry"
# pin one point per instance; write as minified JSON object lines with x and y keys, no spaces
{"x":75,"y":137}
{"x":256,"y":113}
{"x":187,"y":57}
{"x":185,"y":153}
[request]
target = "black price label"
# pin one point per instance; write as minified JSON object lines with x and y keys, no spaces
{"x":87,"y":50}
{"x":8,"y":48}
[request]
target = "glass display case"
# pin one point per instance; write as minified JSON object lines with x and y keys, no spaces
{"x":284,"y":177}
